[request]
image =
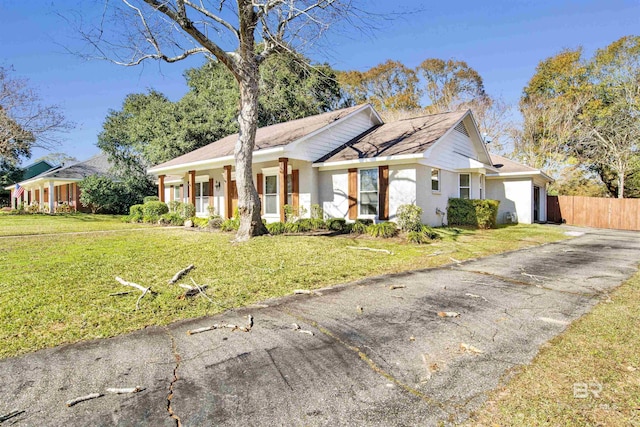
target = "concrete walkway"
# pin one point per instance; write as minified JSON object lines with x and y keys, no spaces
{"x":377,"y":356}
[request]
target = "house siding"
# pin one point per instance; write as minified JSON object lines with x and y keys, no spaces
{"x":329,"y":139}
{"x":515,"y":195}
{"x":454,"y":147}
{"x":402,"y":188}
{"x":334,"y":193}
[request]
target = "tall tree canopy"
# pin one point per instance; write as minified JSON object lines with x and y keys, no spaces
{"x":450,"y":84}
{"x":25,"y":123}
{"x":150,"y":129}
{"x":585,"y":108}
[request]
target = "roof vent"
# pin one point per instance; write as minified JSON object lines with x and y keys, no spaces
{"x":460,"y":128}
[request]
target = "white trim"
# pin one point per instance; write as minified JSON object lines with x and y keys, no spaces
{"x":438,"y":180}
{"x":402,"y":158}
{"x":265,"y":194}
{"x":460,"y":187}
{"x":524,"y":174}
{"x":292,"y":145}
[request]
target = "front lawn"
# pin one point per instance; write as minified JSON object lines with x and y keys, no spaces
{"x":21,"y":225}
{"x":55,"y":288}
{"x":588,"y":376}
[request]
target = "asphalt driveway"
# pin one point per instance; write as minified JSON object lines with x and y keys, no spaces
{"x":361,"y":354}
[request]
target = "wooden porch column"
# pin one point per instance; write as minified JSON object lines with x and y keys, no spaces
{"x":161,"y":187}
{"x":192,"y":187}
{"x":353,"y":193}
{"x":227,"y":192}
{"x":211,"y":191}
{"x":260,"y":188}
{"x":383,"y":197}
{"x":295,"y":191}
{"x":283,"y":185}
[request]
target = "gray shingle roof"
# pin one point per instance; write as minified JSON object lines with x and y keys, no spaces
{"x":409,"y":136}
{"x":266,"y":137}
{"x":96,"y":165}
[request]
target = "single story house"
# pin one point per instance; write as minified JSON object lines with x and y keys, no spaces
{"x":347,"y":161}
{"x":62,"y":183}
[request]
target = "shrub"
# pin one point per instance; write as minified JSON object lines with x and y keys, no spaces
{"x":215,"y":221}
{"x":151,"y":219}
{"x":317,"y":212}
{"x":300,"y":226}
{"x":360,"y":226}
{"x":471,"y":212}
{"x":172,"y":218}
{"x":336,"y":224}
{"x":148,"y":199}
{"x":430,"y":232}
{"x":135,"y":210}
{"x":409,"y":217}
{"x":63,"y":208}
{"x":317,"y":224}
{"x":230,"y":224}
{"x":384,"y":230}
{"x":174,"y":205}
{"x":201,"y":222}
{"x":187,"y":210}
{"x":276,"y":228}
{"x":154,"y":209}
{"x":417,"y":237}
{"x":212,"y":211}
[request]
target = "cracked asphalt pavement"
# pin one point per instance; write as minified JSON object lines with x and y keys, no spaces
{"x":376,"y":356}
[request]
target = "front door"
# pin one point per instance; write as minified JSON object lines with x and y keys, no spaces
{"x":536,"y":204}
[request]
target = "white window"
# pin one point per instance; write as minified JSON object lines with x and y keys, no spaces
{"x":368,"y":189}
{"x":202,"y":196}
{"x":435,"y":180}
{"x":465,"y":185}
{"x":271,"y":195}
{"x":481,"y":187}
{"x":176,"y":193}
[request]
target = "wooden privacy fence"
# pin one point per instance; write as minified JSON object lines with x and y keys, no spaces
{"x":599,"y":212}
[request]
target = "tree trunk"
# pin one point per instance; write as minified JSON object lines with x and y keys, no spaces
{"x":248,"y":199}
{"x":620,"y":185}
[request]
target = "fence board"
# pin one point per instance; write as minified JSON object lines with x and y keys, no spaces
{"x":599,"y":212}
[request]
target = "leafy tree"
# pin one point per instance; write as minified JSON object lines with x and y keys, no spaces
{"x":60,"y":159}
{"x":387,"y":86}
{"x":99,"y":193}
{"x":450,"y":84}
{"x":24,"y":122}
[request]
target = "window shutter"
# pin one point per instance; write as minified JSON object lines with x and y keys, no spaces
{"x":260,"y":185}
{"x":295,"y":189}
{"x":383,"y":196}
{"x":353,"y":193}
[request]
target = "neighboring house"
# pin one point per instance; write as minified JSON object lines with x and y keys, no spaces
{"x":62,"y":182}
{"x":27,"y":172}
{"x":522,"y":191}
{"x":348,"y":161}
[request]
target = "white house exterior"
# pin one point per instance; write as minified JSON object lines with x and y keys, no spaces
{"x":522,"y":191}
{"x":348,"y":161}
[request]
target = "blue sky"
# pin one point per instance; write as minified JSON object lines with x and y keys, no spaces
{"x":502,"y":40}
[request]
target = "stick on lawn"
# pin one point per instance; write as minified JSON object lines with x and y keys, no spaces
{"x":181,"y":273}
{"x":83,"y":398}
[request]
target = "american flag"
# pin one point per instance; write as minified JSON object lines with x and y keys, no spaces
{"x":18,"y":192}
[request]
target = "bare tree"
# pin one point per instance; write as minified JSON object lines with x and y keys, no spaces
{"x":172,"y":30}
{"x":24,"y":122}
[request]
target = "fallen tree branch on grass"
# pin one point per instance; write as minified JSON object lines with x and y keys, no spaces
{"x":83,"y":398}
{"x":135,"y":285}
{"x":181,"y":273}
{"x":363,"y":248}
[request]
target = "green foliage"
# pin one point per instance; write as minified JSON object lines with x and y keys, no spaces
{"x":231,"y":224}
{"x":172,"y":218}
{"x":317,"y":212}
{"x":336,"y":224}
{"x":409,"y":217}
{"x":431,"y":233}
{"x":136,"y":210}
{"x":200,"y":222}
{"x":147,"y":199}
{"x":423,"y":235}
{"x":450,"y":83}
{"x":300,"y":226}
{"x":318,"y":224}
{"x":474,"y":213}
{"x":64,"y":208}
{"x":186,"y":210}
{"x":154,"y":209}
{"x":360,"y":226}
{"x":384,"y":229}
{"x":215,"y":221}
{"x":100,"y":193}
{"x":276,"y":228}
{"x":212,"y":212}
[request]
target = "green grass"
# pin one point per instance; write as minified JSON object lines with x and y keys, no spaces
{"x":21,"y":225}
{"x":600,"y":348}
{"x":55,"y":288}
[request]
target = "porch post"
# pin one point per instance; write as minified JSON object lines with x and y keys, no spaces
{"x":41,"y":197}
{"x":161,"y":187}
{"x":192,"y":187}
{"x":283,"y":185}
{"x":51,"y":201}
{"x":227,"y":192}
